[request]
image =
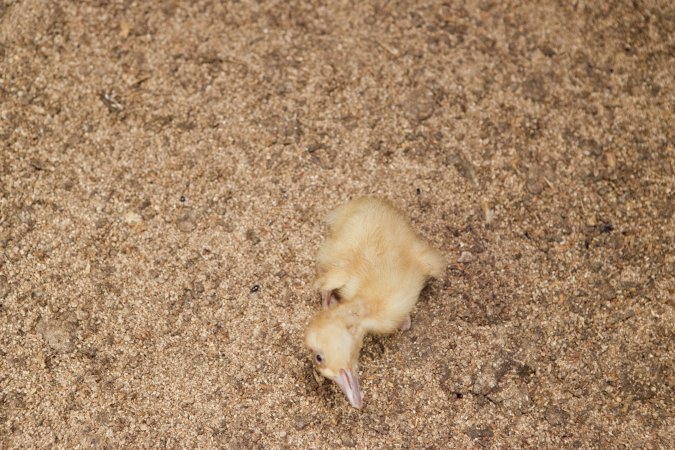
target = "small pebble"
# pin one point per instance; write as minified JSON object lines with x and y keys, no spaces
{"x":606,"y":228}
{"x":464,"y":167}
{"x":324,"y":157}
{"x":482,"y":433}
{"x":255,"y":288}
{"x":4,"y":287}
{"x":556,"y":416}
{"x":252,"y":236}
{"x":57,"y":336}
{"x":182,"y":199}
{"x":132,"y":218}
{"x":314,"y":147}
{"x":486,"y":381}
{"x":535,"y":186}
{"x":38,"y":164}
{"x":197,"y":289}
{"x":347,"y":440}
{"x":186,"y":221}
{"x":466,"y":257}
{"x":420,"y":105}
{"x":302,"y":422}
{"x":488,"y":213}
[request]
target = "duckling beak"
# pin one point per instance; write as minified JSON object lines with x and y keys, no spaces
{"x":348,"y":380}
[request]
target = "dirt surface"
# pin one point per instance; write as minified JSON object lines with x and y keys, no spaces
{"x":165,"y":170}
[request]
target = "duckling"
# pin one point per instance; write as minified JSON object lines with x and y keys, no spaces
{"x":371,"y":269}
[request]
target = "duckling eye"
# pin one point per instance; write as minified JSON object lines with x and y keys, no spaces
{"x":319,"y":358}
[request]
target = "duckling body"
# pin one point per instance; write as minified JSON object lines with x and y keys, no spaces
{"x":371,"y":269}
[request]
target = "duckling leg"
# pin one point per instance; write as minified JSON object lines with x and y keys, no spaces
{"x":329,"y":283}
{"x":405,"y":325}
{"x":328,"y":298}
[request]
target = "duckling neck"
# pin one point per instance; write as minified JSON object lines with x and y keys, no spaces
{"x":372,"y":317}
{"x":354,"y":316}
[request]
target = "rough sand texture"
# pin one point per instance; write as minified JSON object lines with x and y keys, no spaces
{"x":166,"y":167}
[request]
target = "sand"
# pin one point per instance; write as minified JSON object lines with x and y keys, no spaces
{"x":166,"y":168}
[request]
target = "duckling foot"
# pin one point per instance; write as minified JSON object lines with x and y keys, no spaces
{"x":405,"y":325}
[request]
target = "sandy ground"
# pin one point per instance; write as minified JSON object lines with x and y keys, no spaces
{"x":165,"y":170}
